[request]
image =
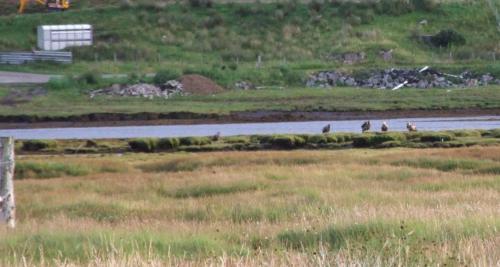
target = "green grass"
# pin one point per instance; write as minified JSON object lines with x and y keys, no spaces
{"x":212,"y":190}
{"x":223,"y":42}
{"x":447,"y":165}
{"x":346,"y":206}
{"x":72,"y":102}
{"x":26,"y":170}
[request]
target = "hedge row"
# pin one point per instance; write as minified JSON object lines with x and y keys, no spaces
{"x":163,"y":144}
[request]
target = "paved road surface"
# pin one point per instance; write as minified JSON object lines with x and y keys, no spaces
{"x":309,"y":127}
{"x":7,"y":77}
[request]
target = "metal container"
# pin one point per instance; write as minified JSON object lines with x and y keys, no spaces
{"x":58,"y":37}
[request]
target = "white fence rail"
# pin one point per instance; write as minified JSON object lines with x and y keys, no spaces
{"x":18,"y":58}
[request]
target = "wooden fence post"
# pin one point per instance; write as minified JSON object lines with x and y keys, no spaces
{"x":7,"y":204}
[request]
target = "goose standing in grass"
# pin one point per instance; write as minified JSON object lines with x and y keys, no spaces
{"x":216,"y":137}
{"x":365,"y":127}
{"x":411,"y":126}
{"x":385,"y":127}
{"x":327,"y":128}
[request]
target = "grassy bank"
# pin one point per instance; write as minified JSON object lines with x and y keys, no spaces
{"x":444,"y":139}
{"x":77,"y":102}
{"x":224,"y":40}
{"x":368,"y":207}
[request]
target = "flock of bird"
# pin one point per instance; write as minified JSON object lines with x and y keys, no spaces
{"x":366,"y":126}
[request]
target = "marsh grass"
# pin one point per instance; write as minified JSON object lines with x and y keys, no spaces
{"x":447,"y":165}
{"x":347,"y":207}
{"x":212,"y":190}
{"x":44,"y":170}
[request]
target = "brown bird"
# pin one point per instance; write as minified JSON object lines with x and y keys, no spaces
{"x":365,"y":127}
{"x":385,"y":127}
{"x":411,"y":126}
{"x":327,"y":128}
{"x":216,"y":137}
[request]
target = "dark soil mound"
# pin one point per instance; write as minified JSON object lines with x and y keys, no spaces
{"x":197,"y":84}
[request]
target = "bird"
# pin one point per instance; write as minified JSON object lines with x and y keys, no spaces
{"x":411,"y":126}
{"x":366,"y":126}
{"x":385,"y":127}
{"x":216,"y":137}
{"x":327,"y":128}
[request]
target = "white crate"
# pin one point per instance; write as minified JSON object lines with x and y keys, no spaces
{"x":58,"y":37}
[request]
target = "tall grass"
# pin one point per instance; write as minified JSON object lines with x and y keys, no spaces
{"x":345,"y":208}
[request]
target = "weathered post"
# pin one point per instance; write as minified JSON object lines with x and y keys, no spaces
{"x":7,"y":204}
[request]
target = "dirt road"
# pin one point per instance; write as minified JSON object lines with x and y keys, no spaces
{"x":23,"y":78}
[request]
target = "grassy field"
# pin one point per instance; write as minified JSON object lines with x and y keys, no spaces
{"x":369,"y":207}
{"x":76,"y":102}
{"x":224,"y":40}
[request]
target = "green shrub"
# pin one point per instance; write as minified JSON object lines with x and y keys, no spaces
{"x":287,"y":141}
{"x":368,"y":140}
{"x":331,"y":138}
{"x":261,"y":139}
{"x":343,"y":137}
{"x":447,"y":38}
{"x":436,"y":137}
{"x":291,"y":77}
{"x":37,"y":145}
{"x":66,"y":83}
{"x":168,"y":143}
{"x":495,"y":133}
{"x":89,"y":78}
{"x":195,"y":141}
{"x":467,"y":133}
{"x":143,"y":145}
{"x":317,"y":139}
{"x":237,"y":139}
{"x":165,"y":75}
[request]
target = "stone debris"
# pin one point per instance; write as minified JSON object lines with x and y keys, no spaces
{"x":244,"y":85}
{"x":397,"y":78}
{"x":150,"y":91}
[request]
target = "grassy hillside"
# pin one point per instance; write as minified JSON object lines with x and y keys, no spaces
{"x":145,"y":36}
{"x":354,"y":207}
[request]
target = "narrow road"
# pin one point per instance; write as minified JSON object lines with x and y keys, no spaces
{"x":7,"y":77}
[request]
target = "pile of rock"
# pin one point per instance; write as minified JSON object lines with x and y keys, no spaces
{"x":166,"y":90}
{"x":392,"y":78}
{"x":244,"y":85}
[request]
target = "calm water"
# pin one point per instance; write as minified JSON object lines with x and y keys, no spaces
{"x":309,"y":127}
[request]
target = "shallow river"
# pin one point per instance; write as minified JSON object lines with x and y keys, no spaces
{"x":309,"y":127}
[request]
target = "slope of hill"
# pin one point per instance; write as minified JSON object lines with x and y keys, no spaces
{"x":308,"y":35}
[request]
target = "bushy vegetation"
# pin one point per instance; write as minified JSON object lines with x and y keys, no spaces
{"x":143,"y":145}
{"x":37,"y":145}
{"x":369,"y":140}
{"x":287,"y":141}
{"x":195,"y":141}
{"x":447,"y":38}
{"x":168,"y":143}
{"x":445,"y":139}
{"x":165,"y":75}
{"x":436,"y":137}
